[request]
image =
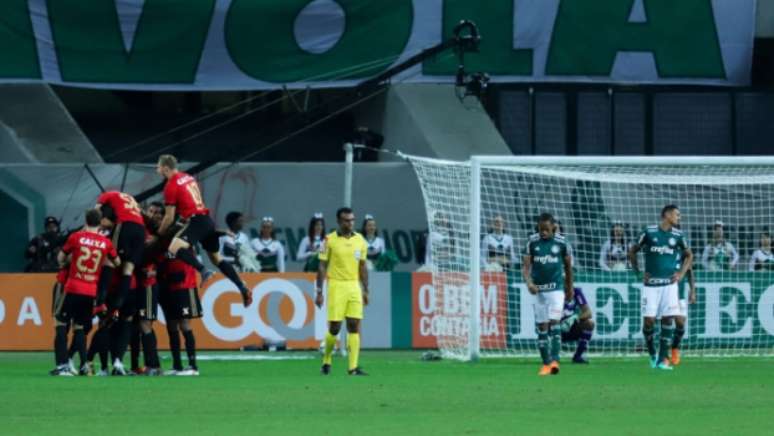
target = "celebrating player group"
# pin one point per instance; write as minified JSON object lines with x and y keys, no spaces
{"x":122,"y":264}
{"x":562,"y":312}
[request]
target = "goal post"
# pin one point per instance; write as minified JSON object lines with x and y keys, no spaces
{"x":482,"y":306}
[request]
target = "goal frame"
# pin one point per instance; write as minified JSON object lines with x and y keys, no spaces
{"x":478,"y":161}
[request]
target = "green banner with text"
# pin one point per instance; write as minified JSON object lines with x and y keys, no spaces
{"x":261,"y":44}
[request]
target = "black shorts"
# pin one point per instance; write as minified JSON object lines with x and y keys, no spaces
{"x":57,"y":298}
{"x":573,"y":334}
{"x":181,"y":304}
{"x":129,"y":240}
{"x":147,"y":302}
{"x":76,"y":308}
{"x":201,"y":229}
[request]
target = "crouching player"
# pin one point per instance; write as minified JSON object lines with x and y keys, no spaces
{"x":87,"y":251}
{"x":577,"y":325}
{"x":547,"y":262}
{"x":180,"y":302}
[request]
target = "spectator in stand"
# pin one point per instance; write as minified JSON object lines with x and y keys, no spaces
{"x":440,"y":239}
{"x":613,"y":254}
{"x":375,"y":243}
{"x":270,"y":252}
{"x":43,"y":249}
{"x":497,"y":250}
{"x":230,"y":244}
{"x":762,"y":258}
{"x":309,"y":248}
{"x":719,"y":255}
{"x":379,"y":257}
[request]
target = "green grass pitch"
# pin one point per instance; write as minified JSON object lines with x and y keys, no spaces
{"x":403,"y":395}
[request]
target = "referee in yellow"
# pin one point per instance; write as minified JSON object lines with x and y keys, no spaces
{"x":343,"y":261}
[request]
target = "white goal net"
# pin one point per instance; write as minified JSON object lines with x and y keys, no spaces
{"x":482,"y":212}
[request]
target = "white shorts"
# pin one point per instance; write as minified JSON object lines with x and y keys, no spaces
{"x":549,"y":306}
{"x":658,"y":301}
{"x":683,"y":303}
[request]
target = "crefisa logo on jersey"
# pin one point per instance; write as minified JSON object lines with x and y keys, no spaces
{"x":672,"y":242}
{"x":661,"y":249}
{"x":545,"y":259}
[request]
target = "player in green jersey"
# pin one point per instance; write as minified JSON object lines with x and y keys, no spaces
{"x":667,"y":259}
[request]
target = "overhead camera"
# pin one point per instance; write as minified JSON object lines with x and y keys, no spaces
{"x":467,"y":36}
{"x":467,"y":40}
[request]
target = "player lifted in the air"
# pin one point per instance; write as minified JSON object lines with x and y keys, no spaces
{"x":547,"y":271}
{"x":667,"y":259}
{"x":183,"y":197}
{"x":343,"y":263}
{"x":577,"y":325}
{"x":129,"y":240}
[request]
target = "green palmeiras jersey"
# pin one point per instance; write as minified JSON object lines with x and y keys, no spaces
{"x":547,"y":257}
{"x":663,"y":254}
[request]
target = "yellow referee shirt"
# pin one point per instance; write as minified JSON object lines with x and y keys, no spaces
{"x":344,"y":256}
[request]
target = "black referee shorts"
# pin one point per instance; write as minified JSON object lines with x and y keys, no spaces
{"x":129,"y":240}
{"x":201,"y":229}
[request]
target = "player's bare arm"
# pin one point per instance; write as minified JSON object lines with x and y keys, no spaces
{"x":322,"y":270}
{"x":61,"y":258}
{"x":687,"y":263}
{"x":692,"y":287}
{"x":166,"y":222}
{"x":568,"y":278}
{"x":635,"y":248}
{"x":526,"y":274}
{"x":364,"y":281}
{"x":113,"y":263}
{"x":585,"y":312}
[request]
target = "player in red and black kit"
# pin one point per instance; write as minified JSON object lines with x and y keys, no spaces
{"x":87,"y":251}
{"x":56,"y":302}
{"x":58,"y":291}
{"x":129,"y":240}
{"x":148,"y":295}
{"x":182,"y":196}
{"x":180,"y":303}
